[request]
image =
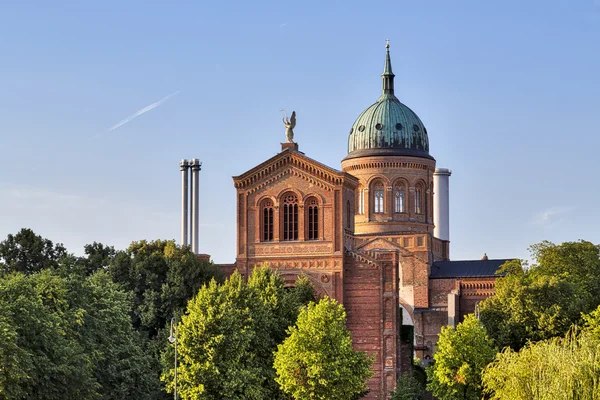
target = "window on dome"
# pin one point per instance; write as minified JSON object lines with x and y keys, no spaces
{"x":399,"y":199}
{"x":290,"y":217}
{"x":312,"y":210}
{"x":378,"y":194}
{"x":267,"y":221}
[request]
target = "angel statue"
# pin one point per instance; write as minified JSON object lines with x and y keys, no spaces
{"x":289,"y":126}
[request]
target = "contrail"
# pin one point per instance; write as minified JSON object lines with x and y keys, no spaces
{"x":142,"y":111}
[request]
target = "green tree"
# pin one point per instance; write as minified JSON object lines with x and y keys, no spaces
{"x":215,"y":345}
{"x":28,"y":253}
{"x":545,"y":300}
{"x":163,"y":277}
{"x":69,"y":338}
{"x":591,"y":322}
{"x":461,"y":355}
{"x":51,"y":362}
{"x":558,"y":369}
{"x":408,"y":388}
{"x":97,"y":257}
{"x":121,"y":367}
{"x":228,"y":336}
{"x":317,"y":360}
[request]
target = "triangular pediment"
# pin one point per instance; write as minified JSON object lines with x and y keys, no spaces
{"x":382,"y":243}
{"x":293,"y":163}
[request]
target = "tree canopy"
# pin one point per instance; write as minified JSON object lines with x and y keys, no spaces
{"x":461,"y":355}
{"x":163,"y":277}
{"x":317,"y":361}
{"x":545,"y":300}
{"x":229,"y":333}
{"x":69,"y":338}
{"x":558,"y":368}
{"x":28,"y":252}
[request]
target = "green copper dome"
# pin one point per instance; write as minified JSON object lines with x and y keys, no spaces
{"x":388,"y":127}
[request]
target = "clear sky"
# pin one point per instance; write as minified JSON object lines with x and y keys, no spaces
{"x":509,"y":92}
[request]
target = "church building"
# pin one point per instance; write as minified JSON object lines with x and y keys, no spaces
{"x":373,"y":235}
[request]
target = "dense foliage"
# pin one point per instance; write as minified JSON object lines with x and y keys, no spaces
{"x":461,"y":355}
{"x":558,"y":369}
{"x":95,"y":327}
{"x":27,"y":252}
{"x":545,"y":300}
{"x":229,"y":333}
{"x":92,"y":326}
{"x":317,"y":361}
{"x":69,"y":338}
{"x":408,"y":387}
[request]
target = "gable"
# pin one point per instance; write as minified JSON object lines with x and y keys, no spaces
{"x":294,"y":163}
{"x":382,"y":243}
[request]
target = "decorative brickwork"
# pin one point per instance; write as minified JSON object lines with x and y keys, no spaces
{"x":298,"y":216}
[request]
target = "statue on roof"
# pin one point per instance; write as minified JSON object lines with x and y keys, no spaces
{"x":289,"y":126}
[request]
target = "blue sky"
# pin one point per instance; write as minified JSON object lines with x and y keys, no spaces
{"x":509,"y":92}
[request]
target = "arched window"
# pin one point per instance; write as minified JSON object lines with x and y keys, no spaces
{"x":378,"y":194}
{"x":312,"y":211}
{"x":418,"y":200}
{"x":399,"y":199}
{"x":290,"y":217}
{"x":267,"y":221}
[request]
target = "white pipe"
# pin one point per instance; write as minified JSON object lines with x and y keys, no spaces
{"x":184,"y":168}
{"x":441,"y":203}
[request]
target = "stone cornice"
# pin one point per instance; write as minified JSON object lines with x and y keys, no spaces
{"x":390,"y":162}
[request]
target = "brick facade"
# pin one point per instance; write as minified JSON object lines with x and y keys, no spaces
{"x":375,"y":263}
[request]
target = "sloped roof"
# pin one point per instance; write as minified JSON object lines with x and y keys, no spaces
{"x":465,"y":268}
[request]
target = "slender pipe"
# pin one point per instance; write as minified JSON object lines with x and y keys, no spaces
{"x":184,"y":168}
{"x":195,"y":164}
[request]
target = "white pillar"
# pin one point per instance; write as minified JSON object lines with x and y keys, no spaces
{"x":184,"y":167}
{"x":453,"y":308}
{"x":195,"y":165}
{"x":441,"y":203}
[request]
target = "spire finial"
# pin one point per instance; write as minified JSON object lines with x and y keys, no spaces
{"x":388,"y":75}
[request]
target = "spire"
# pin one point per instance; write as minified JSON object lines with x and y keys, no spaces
{"x":388,"y":75}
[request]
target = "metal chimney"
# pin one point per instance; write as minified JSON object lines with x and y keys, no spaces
{"x":184,"y":166}
{"x":441,"y":203}
{"x":195,"y":165}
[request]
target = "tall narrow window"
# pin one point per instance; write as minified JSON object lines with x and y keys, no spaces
{"x":267,"y":221}
{"x":348,"y":216}
{"x":378,"y":198}
{"x":290,"y":217}
{"x":361,"y":201}
{"x":399,"y":199}
{"x":418,"y":198}
{"x":313,"y":219}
